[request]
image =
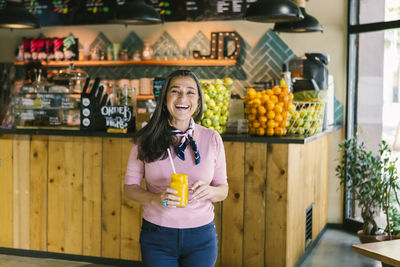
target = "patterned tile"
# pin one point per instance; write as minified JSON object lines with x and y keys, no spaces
{"x":338,"y":111}
{"x":101,"y":42}
{"x":132,"y":43}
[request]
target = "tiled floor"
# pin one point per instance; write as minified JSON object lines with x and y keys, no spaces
{"x":333,"y":250}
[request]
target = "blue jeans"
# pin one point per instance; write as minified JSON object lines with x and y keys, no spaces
{"x":171,"y":247}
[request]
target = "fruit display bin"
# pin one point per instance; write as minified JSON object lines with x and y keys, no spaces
{"x":307,"y":118}
{"x":216,"y":104}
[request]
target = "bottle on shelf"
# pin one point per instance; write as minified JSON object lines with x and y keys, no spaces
{"x":286,"y":76}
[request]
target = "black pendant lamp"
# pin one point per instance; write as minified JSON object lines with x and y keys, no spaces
{"x":273,"y":11}
{"x":308,"y":24}
{"x":15,"y":16}
{"x":136,"y":12}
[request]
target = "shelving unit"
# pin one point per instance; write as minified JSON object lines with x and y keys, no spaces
{"x":105,"y":63}
{"x":144,"y":97}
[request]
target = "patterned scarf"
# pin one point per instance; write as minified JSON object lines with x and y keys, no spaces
{"x":187,"y":138}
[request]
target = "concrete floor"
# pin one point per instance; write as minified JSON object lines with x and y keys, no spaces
{"x":333,"y":250}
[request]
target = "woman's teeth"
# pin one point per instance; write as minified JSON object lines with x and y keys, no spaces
{"x":182,"y":106}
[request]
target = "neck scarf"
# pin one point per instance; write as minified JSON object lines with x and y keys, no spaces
{"x":186,"y":138}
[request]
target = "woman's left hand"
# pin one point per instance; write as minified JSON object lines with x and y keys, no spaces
{"x":202,"y":191}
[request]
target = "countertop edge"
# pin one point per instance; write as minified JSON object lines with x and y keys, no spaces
{"x":225,"y":137}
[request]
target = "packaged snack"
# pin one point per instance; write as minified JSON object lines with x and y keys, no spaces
{"x":41,"y":49}
{"x":58,"y":48}
{"x":34,"y":52}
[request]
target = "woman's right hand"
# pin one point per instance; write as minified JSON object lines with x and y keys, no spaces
{"x":167,"y":196}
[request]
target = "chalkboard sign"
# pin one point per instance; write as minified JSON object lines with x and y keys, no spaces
{"x":118,"y":117}
{"x":79,"y":12}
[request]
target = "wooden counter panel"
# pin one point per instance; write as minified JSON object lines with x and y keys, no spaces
{"x":111,"y":198}
{"x":92,"y":179}
{"x":131,"y":214}
{"x":276,"y":205}
{"x":232,"y":207}
{"x":254,"y":203}
{"x":6,"y":191}
{"x":76,"y":203}
{"x":38,"y":193}
{"x":21,"y":173}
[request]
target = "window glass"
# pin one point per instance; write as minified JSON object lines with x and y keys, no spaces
{"x":378,"y":105}
{"x":379,"y":10}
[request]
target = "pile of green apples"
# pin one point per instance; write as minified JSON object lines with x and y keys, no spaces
{"x":217,"y":94}
{"x":307,"y":119}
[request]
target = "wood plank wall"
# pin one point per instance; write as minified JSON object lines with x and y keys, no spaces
{"x":65,"y":194}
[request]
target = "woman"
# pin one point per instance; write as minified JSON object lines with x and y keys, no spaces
{"x":173,"y":236}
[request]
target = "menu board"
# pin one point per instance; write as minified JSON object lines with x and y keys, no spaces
{"x":79,"y":12}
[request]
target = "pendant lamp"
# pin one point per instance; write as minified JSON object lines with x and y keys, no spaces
{"x":136,"y":12}
{"x":273,"y":11}
{"x":15,"y":16}
{"x":308,"y":24}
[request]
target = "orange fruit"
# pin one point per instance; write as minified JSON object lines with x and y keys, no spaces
{"x":270,"y":105}
{"x":270,"y":114}
{"x":263,"y":125}
{"x":278,"y":131}
{"x":270,"y":131}
{"x":271,"y":124}
{"x":256,"y":102}
{"x":285,"y":89}
{"x":247,"y":110}
{"x":264,"y":98}
{"x":251,"y":91}
{"x":263,"y":119}
{"x":253,"y":131}
{"x":260,"y":131}
{"x":269,"y":92}
{"x":253,"y":110}
{"x":283,"y":97}
{"x":285,"y":115}
{"x":277,"y":90}
{"x":274,"y":98}
{"x":251,"y":117}
{"x":262,"y":110}
{"x":278,"y":118}
{"x":290,"y":96}
{"x":256,"y":124}
{"x":278,"y":109}
{"x":284,"y":124}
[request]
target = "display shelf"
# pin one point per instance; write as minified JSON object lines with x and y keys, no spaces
{"x":105,"y":63}
{"x":144,"y":97}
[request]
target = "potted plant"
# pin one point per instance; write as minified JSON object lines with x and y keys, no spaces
{"x":390,"y":190}
{"x":373,"y":181}
{"x":359,"y":172}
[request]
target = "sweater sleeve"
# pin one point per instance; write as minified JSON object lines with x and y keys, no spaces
{"x":220,"y":176}
{"x":135,"y":168}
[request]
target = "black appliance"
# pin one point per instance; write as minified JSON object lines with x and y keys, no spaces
{"x":309,"y":71}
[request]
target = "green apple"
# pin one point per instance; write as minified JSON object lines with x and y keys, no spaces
{"x":223,"y":120}
{"x":307,"y":125}
{"x":209,"y":114}
{"x":218,"y":81}
{"x":206,"y":98}
{"x":295,"y":115}
{"x":219,"y":129}
{"x":211,"y":104}
{"x":300,"y":130}
{"x":298,"y":122}
{"x":206,"y":122}
{"x":217,"y":109}
{"x":220,"y":98}
{"x":205,"y":107}
{"x":220,"y":88}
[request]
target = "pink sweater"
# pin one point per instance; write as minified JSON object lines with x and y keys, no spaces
{"x":211,"y":169}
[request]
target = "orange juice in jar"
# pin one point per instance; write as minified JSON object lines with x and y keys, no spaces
{"x":179,"y":182}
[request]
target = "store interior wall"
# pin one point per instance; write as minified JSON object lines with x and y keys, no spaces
{"x":331,"y":14}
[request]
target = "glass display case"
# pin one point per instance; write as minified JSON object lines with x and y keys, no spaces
{"x":47,"y":110}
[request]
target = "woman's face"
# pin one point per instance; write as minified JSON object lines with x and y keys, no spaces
{"x":182,"y":99}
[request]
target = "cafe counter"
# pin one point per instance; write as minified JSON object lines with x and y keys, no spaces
{"x":63,"y":192}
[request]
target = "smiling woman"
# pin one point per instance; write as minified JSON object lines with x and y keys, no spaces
{"x":199,"y":153}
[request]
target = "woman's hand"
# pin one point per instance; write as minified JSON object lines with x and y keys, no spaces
{"x":167,"y":196}
{"x":203,"y":191}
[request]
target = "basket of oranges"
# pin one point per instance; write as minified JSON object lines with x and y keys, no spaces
{"x":268,"y":110}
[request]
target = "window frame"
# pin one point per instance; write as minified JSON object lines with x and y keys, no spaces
{"x":354,"y":28}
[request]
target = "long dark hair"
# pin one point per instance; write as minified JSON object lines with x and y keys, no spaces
{"x":154,"y":138}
